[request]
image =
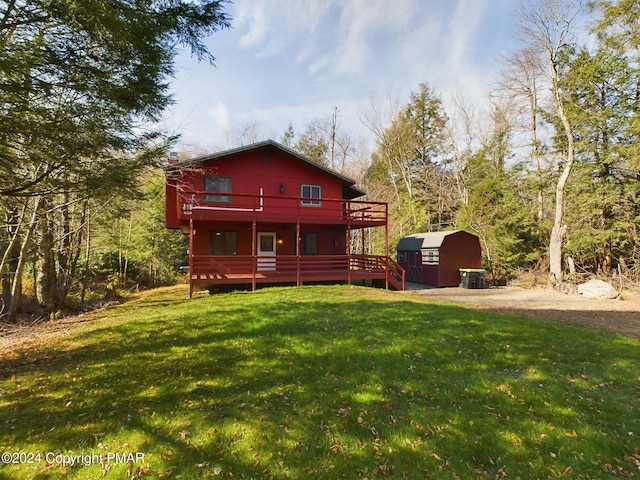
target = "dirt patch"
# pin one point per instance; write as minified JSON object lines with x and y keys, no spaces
{"x":19,"y":337}
{"x":621,"y":316}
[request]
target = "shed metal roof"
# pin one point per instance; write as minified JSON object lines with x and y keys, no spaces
{"x":420,"y":241}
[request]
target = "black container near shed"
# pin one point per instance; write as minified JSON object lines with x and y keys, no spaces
{"x":436,"y":258}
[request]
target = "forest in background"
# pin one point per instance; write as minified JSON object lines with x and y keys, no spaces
{"x":548,"y":176}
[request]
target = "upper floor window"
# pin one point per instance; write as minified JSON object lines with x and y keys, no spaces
{"x":217,"y":185}
{"x":311,"y":192}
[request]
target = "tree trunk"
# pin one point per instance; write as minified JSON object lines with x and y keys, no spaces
{"x":46,"y":273}
{"x":85,"y":277}
{"x":559,"y":230}
{"x":10,"y":256}
{"x":533,"y":105}
{"x":70,"y":250}
{"x":16,"y":286}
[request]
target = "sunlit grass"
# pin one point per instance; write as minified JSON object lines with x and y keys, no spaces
{"x":323,"y":382}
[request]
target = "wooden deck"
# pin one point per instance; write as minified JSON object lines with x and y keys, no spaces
{"x":247,"y":269}
{"x":282,"y":209}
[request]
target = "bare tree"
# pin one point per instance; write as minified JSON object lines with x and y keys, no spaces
{"x":244,"y":134}
{"x":522,"y":78}
{"x":324,"y":143}
{"x":547,"y":28}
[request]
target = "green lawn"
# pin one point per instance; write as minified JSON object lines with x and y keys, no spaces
{"x":320,"y":382}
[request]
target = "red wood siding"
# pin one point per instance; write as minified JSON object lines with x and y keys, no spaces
{"x":249,"y":173}
{"x":256,"y":177}
{"x":266,"y":181}
{"x":330,"y":241}
{"x":460,"y":250}
{"x":171,"y":205}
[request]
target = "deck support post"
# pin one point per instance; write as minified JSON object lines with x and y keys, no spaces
{"x":254,"y":254}
{"x":298,"y":273}
{"x":349,"y":245}
{"x":191,"y":258}
{"x":386,"y":246}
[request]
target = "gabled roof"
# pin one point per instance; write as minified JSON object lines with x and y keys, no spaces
{"x":351,"y":191}
{"x":419,"y":241}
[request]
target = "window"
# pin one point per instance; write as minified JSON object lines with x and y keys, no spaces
{"x":430,"y":257}
{"x":217,"y":185}
{"x":311,"y":191}
{"x":309,"y":243}
{"x":224,"y":242}
{"x":267,"y":242}
{"x":402,"y":256}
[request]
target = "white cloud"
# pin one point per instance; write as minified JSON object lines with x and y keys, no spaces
{"x":468,"y":15}
{"x":332,"y":35}
{"x":254,"y":22}
{"x":319,"y":64}
{"x":367,"y":24}
{"x":292,"y":61}
{"x":277,"y":26}
{"x":220,"y":114}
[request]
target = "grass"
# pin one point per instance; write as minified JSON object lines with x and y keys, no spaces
{"x":321,"y":382}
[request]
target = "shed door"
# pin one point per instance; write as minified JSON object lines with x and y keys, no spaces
{"x":414,"y":262}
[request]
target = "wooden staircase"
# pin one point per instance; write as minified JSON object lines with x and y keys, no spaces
{"x":396,"y":274}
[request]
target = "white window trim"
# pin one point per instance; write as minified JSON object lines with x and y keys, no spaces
{"x":430,"y":256}
{"x":312,"y":202}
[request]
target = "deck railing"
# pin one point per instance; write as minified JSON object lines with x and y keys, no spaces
{"x":216,"y":269}
{"x":200,"y":205}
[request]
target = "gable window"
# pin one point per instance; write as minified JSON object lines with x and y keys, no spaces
{"x":311,"y":194}
{"x":217,"y":185}
{"x":223,"y":242}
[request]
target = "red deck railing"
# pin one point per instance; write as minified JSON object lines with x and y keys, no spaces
{"x":220,"y":270}
{"x":198,"y":205}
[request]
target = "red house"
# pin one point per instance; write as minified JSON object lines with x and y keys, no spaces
{"x":436,"y":258}
{"x":265,"y":214}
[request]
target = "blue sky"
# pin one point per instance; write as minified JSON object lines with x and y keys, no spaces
{"x":295,"y":60}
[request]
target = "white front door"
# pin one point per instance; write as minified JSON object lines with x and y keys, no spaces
{"x":266,"y":251}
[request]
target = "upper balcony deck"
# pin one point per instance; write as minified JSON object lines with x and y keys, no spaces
{"x":201,"y":205}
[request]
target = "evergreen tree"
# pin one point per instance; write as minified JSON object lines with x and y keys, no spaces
{"x":76,"y":81}
{"x":410,"y":164}
{"x":604,"y":214}
{"x":287,"y":136}
{"x":498,"y":209}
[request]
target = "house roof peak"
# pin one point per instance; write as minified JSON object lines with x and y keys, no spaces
{"x":272,"y":144}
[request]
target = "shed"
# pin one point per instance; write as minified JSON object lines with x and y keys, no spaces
{"x":436,"y":258}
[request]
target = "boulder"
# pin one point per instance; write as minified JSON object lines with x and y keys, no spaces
{"x":597,"y":289}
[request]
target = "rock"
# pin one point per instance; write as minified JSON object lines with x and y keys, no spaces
{"x":597,"y":289}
